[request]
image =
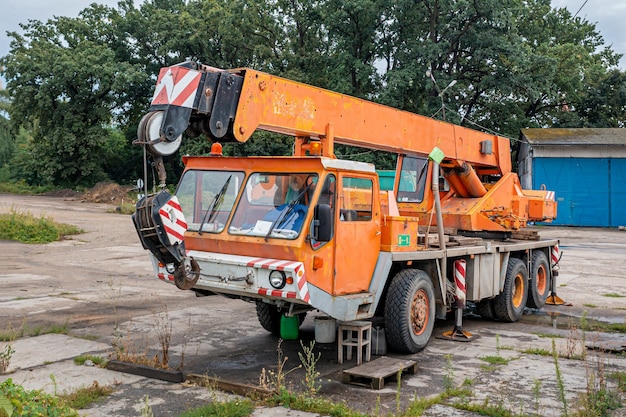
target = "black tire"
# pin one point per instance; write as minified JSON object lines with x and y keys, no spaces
{"x":269,"y":317}
{"x":539,"y":281}
{"x":509,"y":305}
{"x":409,"y":311}
{"x":485,"y":309}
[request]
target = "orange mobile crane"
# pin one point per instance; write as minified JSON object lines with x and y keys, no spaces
{"x":313,"y":232}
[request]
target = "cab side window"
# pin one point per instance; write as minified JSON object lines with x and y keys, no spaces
{"x":356,"y":199}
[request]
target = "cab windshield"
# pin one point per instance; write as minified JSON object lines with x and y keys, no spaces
{"x":274,"y":205}
{"x":207,"y":198}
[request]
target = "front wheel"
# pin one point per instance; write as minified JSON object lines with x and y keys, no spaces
{"x":409,"y":311}
{"x":269,"y":317}
{"x":539,"y":280}
{"x":509,"y":305}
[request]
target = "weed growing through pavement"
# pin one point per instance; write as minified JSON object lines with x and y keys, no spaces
{"x":448,"y":376}
{"x":537,"y":395}
{"x":492,"y":360}
{"x":398,"y":390}
{"x":559,"y":378}
{"x":95,"y":360}
{"x":275,"y":380}
{"x":163,"y":328}
{"x":309,"y":360}
{"x":146,"y":410}
{"x":85,"y":396}
{"x":25,"y":330}
{"x":5,"y":357}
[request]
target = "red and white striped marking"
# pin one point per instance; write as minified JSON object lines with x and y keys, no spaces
{"x":277,"y":293}
{"x":173,"y":221}
{"x":294,"y":267}
{"x":459,"y":281}
{"x":555,"y":254}
{"x":165,"y":277}
{"x":550,"y":196}
{"x":176,"y":86}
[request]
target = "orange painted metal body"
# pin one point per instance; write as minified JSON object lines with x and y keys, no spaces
{"x":323,"y":264}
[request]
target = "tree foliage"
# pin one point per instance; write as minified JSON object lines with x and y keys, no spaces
{"x":79,"y":86}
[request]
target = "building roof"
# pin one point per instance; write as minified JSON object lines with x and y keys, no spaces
{"x":584,"y":136}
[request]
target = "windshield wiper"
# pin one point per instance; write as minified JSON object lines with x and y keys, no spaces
{"x":286,"y":212}
{"x":215,"y":204}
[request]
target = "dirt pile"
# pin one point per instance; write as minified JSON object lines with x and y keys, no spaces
{"x":109,"y":193}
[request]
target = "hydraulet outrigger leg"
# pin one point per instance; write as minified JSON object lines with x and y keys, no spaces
{"x":554,"y":299}
{"x":458,"y":334}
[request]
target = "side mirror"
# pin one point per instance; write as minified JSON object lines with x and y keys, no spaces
{"x":323,"y":226}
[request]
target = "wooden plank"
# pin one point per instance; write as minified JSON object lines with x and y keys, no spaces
{"x":433,"y":230}
{"x":466,"y":241}
{"x":525,"y":234}
{"x":374,"y":373}
{"x":169,"y":375}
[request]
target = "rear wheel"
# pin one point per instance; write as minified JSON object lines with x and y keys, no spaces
{"x":409,"y":311}
{"x":485,"y":309}
{"x":509,"y":305}
{"x":539,"y":280}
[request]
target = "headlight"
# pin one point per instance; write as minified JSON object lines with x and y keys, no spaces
{"x":277,"y":279}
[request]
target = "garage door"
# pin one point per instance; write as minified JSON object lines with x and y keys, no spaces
{"x":618,"y":192}
{"x":582,"y":188}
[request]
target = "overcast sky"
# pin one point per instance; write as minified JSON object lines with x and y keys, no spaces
{"x":607,"y":14}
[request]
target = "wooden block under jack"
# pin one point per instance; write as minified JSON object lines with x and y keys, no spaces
{"x":373,"y":374}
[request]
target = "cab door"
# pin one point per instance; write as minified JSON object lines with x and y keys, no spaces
{"x":357,"y":233}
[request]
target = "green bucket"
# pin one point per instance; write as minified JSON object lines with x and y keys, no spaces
{"x":289,"y":327}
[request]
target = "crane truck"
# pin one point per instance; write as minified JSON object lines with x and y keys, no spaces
{"x":311,"y":232}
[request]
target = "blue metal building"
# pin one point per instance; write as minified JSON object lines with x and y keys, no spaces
{"x":585,"y":167}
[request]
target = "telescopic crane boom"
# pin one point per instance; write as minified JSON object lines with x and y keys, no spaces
{"x":228,"y":106}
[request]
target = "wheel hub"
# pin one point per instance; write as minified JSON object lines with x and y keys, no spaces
{"x":419,"y":312}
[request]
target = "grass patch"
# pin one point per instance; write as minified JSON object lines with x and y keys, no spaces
{"x":124,"y":208}
{"x":84,"y":397}
{"x":548,"y":335}
{"x":97,"y":360}
{"x":26,"y":331}
{"x":26,"y":228}
{"x":22,"y":188}
{"x":537,"y":351}
{"x":495,"y":360}
{"x":613,"y":295}
{"x":321,"y":406}
{"x":616,"y":327}
{"x":611,"y":327}
{"x":235,"y":408}
{"x":620,"y":378}
{"x":590,"y":305}
{"x":485,"y":409}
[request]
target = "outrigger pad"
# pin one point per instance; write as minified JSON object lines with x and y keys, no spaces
{"x":555,"y":300}
{"x":458,"y":335}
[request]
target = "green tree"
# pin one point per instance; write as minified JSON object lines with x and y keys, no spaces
{"x":62,"y":75}
{"x":7,"y":141}
{"x":79,"y":86}
{"x":515,"y":62}
{"x":603,"y":105}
